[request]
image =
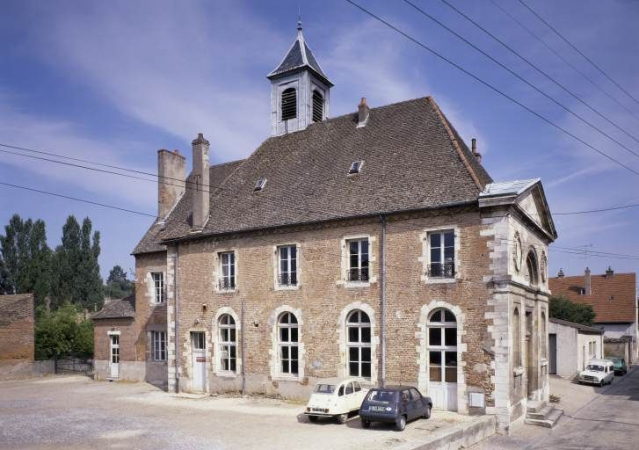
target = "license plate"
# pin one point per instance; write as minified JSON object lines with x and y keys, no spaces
{"x":377,"y":408}
{"x":317,"y":410}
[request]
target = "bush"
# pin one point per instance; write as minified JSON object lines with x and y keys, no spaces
{"x":564,"y":309}
{"x":62,"y":333}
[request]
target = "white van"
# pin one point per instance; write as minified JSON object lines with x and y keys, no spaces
{"x":599,"y":372}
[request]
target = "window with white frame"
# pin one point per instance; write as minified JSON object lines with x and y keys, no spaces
{"x":358,"y":333}
{"x":159,"y":345}
{"x":227,"y":271}
{"x":441,"y":261}
{"x":287,"y":267}
{"x":228,"y":343}
{"x":442,"y":346}
{"x":358,"y":260}
{"x":288,"y":344}
{"x":158,"y":287}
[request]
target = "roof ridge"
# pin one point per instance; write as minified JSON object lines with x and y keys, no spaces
{"x":227,"y":163}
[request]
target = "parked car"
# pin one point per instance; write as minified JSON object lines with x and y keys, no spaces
{"x":598,"y":371}
{"x":619,"y":365}
{"x":394,"y":404}
{"x":335,"y":400}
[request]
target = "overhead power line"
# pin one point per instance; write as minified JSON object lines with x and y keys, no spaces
{"x":564,"y":60}
{"x":103,"y":205}
{"x":493,"y":88}
{"x":538,"y":69}
{"x":613,"y":208}
{"x":574,"y":47}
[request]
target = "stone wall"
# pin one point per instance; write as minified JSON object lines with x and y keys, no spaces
{"x":17,"y":328}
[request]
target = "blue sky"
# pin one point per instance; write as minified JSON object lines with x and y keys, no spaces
{"x":115,"y":81}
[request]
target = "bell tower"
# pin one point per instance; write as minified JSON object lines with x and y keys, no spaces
{"x":300,"y":91}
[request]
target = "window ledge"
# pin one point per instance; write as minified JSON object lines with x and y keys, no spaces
{"x":287,"y":288}
{"x":153,"y":361}
{"x":518,"y":371}
{"x":226,"y":374}
{"x":357,"y":284}
{"x":226,"y":291}
{"x":287,"y":378}
{"x":441,"y":280}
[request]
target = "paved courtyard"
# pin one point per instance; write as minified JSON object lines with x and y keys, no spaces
{"x":78,"y":413}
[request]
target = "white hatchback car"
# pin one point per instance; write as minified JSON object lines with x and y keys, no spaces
{"x":599,"y":372}
{"x":336,"y":400}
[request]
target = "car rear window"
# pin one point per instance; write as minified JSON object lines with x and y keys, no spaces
{"x":324,"y":389}
{"x":381,"y":396}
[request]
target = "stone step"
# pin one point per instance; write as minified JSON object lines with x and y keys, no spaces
{"x":549,"y":420}
{"x":543,"y":414}
{"x":535,"y":406}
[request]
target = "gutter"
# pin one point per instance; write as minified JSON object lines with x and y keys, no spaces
{"x":382,"y":299}
{"x":176,"y":260}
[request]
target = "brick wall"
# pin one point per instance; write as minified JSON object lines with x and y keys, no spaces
{"x":16,"y":327}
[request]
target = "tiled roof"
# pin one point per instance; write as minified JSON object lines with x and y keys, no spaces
{"x":151,"y":241}
{"x":613,"y":298}
{"x":508,"y":187}
{"x":413,"y":159}
{"x":582,"y":328}
{"x":117,"y":309}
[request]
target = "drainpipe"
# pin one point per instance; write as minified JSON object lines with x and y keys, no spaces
{"x":242,"y":349}
{"x":382,"y":300}
{"x":177,"y":321}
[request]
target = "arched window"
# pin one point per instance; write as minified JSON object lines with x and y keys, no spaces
{"x":288,"y":341}
{"x":358,"y":331}
{"x":516,"y":338}
{"x":228,"y":343}
{"x":442,"y":346}
{"x":531,"y":269}
{"x":544,"y":336}
{"x":289,"y":104}
{"x":318,"y":106}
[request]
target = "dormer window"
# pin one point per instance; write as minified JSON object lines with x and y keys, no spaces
{"x":289,"y":104}
{"x":259,"y":184}
{"x":356,"y":166}
{"x":318,"y":106}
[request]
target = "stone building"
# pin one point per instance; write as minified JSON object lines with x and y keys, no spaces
{"x":571,"y":346}
{"x":371,"y":245}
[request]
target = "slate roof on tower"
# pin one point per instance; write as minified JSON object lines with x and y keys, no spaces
{"x":413,"y":159}
{"x":298,"y":57}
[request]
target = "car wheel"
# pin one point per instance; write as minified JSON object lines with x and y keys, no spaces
{"x":400,"y":424}
{"x":366,"y":423}
{"x":602,"y":383}
{"x":611,"y":380}
{"x":341,"y":419}
{"x":312,"y":418}
{"x":427,"y":413}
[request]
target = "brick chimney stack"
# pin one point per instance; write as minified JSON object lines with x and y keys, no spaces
{"x":609,"y":272}
{"x":561,"y":273}
{"x":199,"y":186}
{"x":364,"y":112}
{"x":476,"y":154}
{"x":171,"y":176}
{"x":588,"y":287}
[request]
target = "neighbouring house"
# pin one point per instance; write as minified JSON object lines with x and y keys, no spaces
{"x":613,"y":297}
{"x":371,"y":245}
{"x":571,"y":346}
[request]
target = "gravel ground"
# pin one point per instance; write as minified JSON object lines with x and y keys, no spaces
{"x":78,"y":413}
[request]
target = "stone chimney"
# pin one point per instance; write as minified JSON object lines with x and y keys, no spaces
{"x":610,"y":273}
{"x":476,"y":154}
{"x":588,"y":287}
{"x":561,"y":273}
{"x":199,"y":185}
{"x":171,"y":176}
{"x":364,"y":112}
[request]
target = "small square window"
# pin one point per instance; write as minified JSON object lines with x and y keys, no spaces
{"x":356,"y":167}
{"x":259,"y":184}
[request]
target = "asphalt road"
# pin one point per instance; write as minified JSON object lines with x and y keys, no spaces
{"x":609,"y":421}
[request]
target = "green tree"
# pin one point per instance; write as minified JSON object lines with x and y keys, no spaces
{"x":117,"y":285}
{"x":562,"y":308}
{"x":62,"y":333}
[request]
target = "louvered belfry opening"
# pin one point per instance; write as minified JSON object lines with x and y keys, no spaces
{"x":289,"y":104}
{"x":318,"y":106}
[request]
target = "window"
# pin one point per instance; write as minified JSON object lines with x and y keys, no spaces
{"x":287,"y":268}
{"x":442,"y":254}
{"x":259,"y":184}
{"x":318,"y":106}
{"x":358,"y":332}
{"x":349,"y":388}
{"x":158,"y":287}
{"x":516,"y":338}
{"x":356,"y":166}
{"x":288,"y":341}
{"x":159,"y":345}
{"x":415,"y":395}
{"x":442,"y":346}
{"x":531,"y":269}
{"x":227,"y":266}
{"x":228,"y":343}
{"x":358,"y":260}
{"x":289,"y":104}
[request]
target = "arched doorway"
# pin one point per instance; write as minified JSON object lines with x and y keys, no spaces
{"x":442,"y":359}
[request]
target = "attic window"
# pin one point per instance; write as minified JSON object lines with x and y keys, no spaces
{"x":318,"y":106}
{"x":289,"y":104}
{"x":259,"y":184}
{"x":356,"y":166}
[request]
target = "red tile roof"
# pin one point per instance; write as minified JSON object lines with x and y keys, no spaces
{"x":613,"y":298}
